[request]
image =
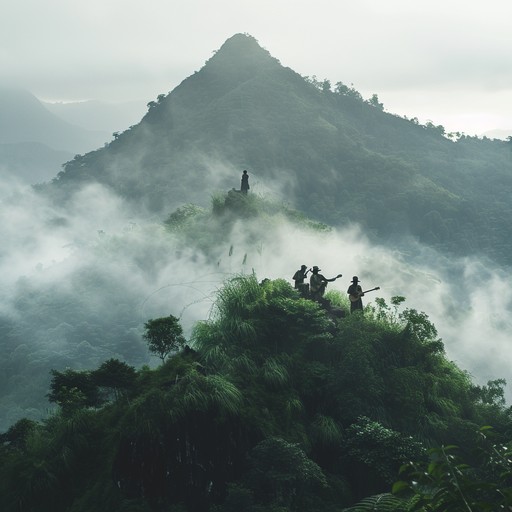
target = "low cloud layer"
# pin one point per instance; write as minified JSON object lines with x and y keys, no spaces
{"x":111,"y":271}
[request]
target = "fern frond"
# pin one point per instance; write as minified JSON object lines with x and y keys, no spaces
{"x":379,"y":503}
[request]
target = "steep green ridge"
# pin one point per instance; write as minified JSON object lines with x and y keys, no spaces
{"x":276,"y":407}
{"x":333,"y":155}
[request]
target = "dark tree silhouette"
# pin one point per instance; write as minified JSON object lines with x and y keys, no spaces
{"x":164,"y":335}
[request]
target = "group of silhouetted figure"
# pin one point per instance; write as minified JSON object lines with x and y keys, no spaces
{"x":315,"y":289}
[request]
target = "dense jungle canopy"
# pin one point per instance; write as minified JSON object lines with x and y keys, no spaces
{"x":276,"y":405}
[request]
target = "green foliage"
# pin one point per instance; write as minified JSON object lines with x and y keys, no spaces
{"x":326,"y":432}
{"x":18,"y":434}
{"x":449,"y":481}
{"x":116,"y":376}
{"x":204,"y":393}
{"x":380,"y":503}
{"x":265,"y":318}
{"x":416,"y":322}
{"x":380,"y":448}
{"x":72,"y":390}
{"x":164,"y":336}
{"x":274,"y":373}
{"x":419,"y":324}
{"x":182,"y":218}
{"x":278,"y":406}
{"x":76,"y":322}
{"x":493,"y":393}
{"x":211,"y":232}
{"x":238,"y":498}
{"x":281,"y":470}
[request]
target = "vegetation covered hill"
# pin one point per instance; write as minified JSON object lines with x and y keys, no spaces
{"x":91,"y":306}
{"x":326,"y":150}
{"x":273,"y":406}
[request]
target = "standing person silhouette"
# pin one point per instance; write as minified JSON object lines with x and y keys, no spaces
{"x":355,"y":292}
{"x":300,"y":276}
{"x":244,"y":186}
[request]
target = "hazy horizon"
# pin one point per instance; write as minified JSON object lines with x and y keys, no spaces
{"x":447,"y":63}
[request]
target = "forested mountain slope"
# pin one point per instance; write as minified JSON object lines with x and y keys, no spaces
{"x":319,"y":146}
{"x":276,"y":406}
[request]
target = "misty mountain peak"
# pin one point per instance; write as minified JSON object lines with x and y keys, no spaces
{"x":238,"y":61}
{"x":242,"y":45}
{"x":244,"y":52}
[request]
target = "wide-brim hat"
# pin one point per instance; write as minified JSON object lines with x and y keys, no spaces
{"x":316,"y":268}
{"x":355,"y":279}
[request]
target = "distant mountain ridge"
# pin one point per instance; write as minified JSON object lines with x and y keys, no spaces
{"x":30,"y":162}
{"x":23,"y":118}
{"x":97,"y":115}
{"x":339,"y":158}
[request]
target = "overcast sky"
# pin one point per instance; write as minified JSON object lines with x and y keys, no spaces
{"x":448,"y":61}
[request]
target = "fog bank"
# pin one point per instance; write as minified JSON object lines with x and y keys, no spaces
{"x":79,"y":283}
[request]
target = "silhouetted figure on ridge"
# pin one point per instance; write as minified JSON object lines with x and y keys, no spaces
{"x":318,"y":283}
{"x":300,"y":275}
{"x":299,"y":278}
{"x":355,"y":292}
{"x":244,"y":186}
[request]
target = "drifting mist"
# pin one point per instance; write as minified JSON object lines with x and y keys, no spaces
{"x":79,"y":282}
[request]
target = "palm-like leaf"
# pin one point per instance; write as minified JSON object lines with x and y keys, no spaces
{"x":326,"y":431}
{"x":274,"y":373}
{"x":379,"y":503}
{"x":198,"y":393}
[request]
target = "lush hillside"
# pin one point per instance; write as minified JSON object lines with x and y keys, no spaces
{"x":275,"y":405}
{"x":92,"y":305}
{"x":321,"y":147}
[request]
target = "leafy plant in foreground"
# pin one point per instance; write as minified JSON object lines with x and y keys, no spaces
{"x":448,"y":481}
